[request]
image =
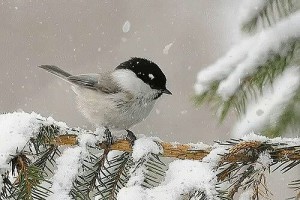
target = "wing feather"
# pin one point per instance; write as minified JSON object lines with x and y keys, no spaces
{"x":99,"y":82}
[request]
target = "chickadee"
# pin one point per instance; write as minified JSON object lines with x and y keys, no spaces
{"x":120,"y":98}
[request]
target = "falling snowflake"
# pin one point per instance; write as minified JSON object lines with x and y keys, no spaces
{"x":167,"y":47}
{"x":126,"y":27}
{"x":151,"y":76}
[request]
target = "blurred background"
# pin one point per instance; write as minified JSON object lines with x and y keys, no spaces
{"x":182,"y":37}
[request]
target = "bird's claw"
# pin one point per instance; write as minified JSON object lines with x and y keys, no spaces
{"x":131,"y":137}
{"x":109,"y":140}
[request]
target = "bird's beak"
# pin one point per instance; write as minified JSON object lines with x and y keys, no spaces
{"x":166,"y":91}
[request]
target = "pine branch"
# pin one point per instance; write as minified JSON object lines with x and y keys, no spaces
{"x":86,"y":181}
{"x":295,"y":185}
{"x":105,"y":172}
{"x":186,"y":151}
{"x":240,"y":155}
{"x":113,"y":176}
{"x":28,"y":184}
{"x":181,"y":151}
{"x":89,"y":178}
{"x":155,"y":170}
{"x":268,"y":15}
{"x":6,"y":190}
{"x":251,"y":87}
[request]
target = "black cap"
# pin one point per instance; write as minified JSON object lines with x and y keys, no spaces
{"x":147,"y":71}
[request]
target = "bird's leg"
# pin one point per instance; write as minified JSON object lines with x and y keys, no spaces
{"x":131,"y":137}
{"x":109,"y":137}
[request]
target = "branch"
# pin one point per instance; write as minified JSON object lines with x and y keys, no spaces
{"x":239,"y":152}
{"x":181,"y":151}
{"x":242,"y":163}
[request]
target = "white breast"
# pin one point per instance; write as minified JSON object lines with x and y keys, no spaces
{"x":121,"y":110}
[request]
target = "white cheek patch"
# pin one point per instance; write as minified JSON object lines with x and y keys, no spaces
{"x":130,"y":82}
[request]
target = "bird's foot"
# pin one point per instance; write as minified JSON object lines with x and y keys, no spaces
{"x":130,"y":137}
{"x":109,"y":140}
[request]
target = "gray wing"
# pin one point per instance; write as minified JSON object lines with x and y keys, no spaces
{"x":99,"y":82}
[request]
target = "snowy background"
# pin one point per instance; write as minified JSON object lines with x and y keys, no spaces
{"x":181,"y":37}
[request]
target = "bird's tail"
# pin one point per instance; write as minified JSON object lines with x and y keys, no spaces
{"x":56,"y":71}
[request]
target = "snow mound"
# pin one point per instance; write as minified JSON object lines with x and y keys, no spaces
{"x":182,"y":177}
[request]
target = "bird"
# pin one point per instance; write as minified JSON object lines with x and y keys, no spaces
{"x":117,"y":99}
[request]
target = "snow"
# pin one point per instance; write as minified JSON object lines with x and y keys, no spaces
{"x":137,"y":176}
{"x":182,"y":177}
{"x":288,"y":141}
{"x":20,"y":126}
{"x":269,"y":107}
{"x":142,"y":149}
{"x":246,"y":195}
{"x":16,"y":129}
{"x":86,"y":139}
{"x":244,"y":59}
{"x":167,"y":48}
{"x":215,"y":155}
{"x":223,"y":67}
{"x":263,"y":162}
{"x":254,"y":137}
{"x":126,"y":26}
{"x":268,"y":42}
{"x":277,"y":140}
{"x":249,"y":9}
{"x":145,"y":146}
{"x":199,"y":146}
{"x":100,"y":133}
{"x":68,"y":165}
{"x":89,"y":139}
{"x":133,"y":193}
{"x":151,"y":76}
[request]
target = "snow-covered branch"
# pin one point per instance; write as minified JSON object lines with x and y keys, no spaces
{"x":199,"y":151}
{"x":244,"y":59}
{"x":259,"y":77}
{"x":121,"y":170}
